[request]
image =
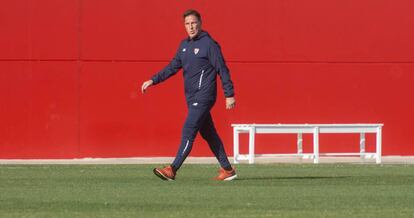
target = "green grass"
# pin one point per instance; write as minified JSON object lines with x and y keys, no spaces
{"x":272,"y":190}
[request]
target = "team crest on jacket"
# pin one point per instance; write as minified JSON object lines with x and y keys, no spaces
{"x":196,"y":50}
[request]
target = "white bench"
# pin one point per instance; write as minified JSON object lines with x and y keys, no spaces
{"x":300,"y":129}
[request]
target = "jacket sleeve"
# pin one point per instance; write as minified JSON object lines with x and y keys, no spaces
{"x":171,"y":69}
{"x":217,"y":61}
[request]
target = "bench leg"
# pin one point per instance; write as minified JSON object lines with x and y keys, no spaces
{"x":379,"y":144}
{"x":252,"y":131}
{"x":299,"y":144}
{"x":235,"y":145}
{"x":316,"y":145}
{"x":362,"y":145}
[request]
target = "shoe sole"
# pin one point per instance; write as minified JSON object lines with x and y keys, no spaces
{"x":160,"y":175}
{"x":231,"y":177}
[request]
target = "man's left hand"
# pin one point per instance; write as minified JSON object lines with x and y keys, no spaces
{"x":230,"y":102}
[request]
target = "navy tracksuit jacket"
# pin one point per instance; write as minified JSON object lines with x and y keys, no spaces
{"x":201,"y":60}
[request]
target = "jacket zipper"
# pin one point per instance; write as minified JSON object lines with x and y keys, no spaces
{"x":201,"y":79}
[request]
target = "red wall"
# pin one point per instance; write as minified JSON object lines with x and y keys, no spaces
{"x":70,"y":73}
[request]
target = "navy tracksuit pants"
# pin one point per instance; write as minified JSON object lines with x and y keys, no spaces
{"x":199,"y":120}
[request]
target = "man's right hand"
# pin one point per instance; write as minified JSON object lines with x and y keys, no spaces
{"x":230,"y":102}
{"x":145,"y":85}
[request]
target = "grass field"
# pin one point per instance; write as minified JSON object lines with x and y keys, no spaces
{"x":271,"y":190}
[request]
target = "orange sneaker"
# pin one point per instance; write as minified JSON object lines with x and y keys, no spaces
{"x":225,"y":175}
{"x":167,"y":173}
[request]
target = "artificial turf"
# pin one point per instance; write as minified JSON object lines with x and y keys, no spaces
{"x":271,"y":190}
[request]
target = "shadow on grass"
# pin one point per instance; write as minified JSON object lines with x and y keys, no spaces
{"x":290,"y":178}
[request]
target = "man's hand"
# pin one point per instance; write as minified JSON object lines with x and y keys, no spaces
{"x":145,"y":85}
{"x":230,"y":102}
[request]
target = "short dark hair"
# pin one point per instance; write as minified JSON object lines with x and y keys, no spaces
{"x":192,"y":12}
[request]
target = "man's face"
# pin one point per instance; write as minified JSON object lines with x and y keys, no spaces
{"x":192,"y":25}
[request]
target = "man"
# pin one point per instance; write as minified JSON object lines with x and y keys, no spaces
{"x":201,"y":59}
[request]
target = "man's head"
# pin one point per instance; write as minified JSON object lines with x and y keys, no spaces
{"x":192,"y":22}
